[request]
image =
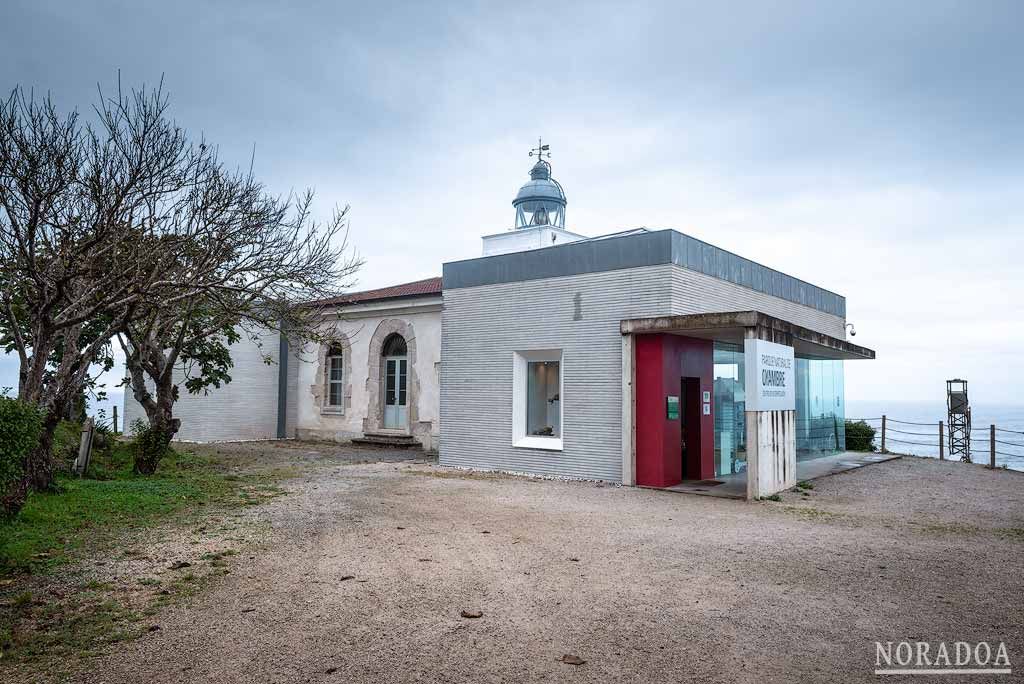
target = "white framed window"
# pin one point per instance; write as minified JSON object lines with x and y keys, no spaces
{"x":335,"y":363}
{"x":537,"y":381}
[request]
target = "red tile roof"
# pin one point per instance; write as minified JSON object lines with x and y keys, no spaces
{"x":418,"y":288}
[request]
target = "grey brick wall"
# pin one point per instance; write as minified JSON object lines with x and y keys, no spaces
{"x":694,"y":292}
{"x":482,"y":326}
{"x":245,"y":408}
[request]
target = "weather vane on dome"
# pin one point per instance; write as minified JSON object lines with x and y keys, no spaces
{"x":541,"y":150}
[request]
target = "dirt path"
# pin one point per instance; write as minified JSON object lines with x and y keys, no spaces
{"x":645,"y":586}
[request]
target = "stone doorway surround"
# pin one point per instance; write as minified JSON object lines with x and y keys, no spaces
{"x":374,"y":421}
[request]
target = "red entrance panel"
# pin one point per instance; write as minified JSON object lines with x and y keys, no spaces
{"x":662,"y":361}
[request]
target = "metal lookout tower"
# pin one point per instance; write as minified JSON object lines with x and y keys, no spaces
{"x":959,"y":416}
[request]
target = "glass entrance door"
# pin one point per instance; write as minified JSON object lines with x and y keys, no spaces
{"x":395,"y":395}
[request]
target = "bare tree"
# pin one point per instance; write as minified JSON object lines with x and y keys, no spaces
{"x":260,"y":257}
{"x":74,"y":202}
{"x":125,"y":226}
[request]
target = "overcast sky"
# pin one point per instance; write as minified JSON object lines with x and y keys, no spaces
{"x":873,"y":149}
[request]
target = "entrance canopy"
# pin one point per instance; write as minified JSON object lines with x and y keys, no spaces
{"x":735,"y":326}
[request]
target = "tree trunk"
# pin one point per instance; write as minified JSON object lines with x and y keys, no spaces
{"x":147,"y":359}
{"x":39,"y":467}
{"x":13,"y":498}
{"x":153,"y":445}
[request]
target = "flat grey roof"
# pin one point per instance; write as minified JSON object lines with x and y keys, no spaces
{"x":731,"y":326}
{"x":634,"y":250}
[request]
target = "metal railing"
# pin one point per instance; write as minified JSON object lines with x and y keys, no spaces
{"x":995,"y":442}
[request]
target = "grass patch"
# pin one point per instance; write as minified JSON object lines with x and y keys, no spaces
{"x":1013,"y":533}
{"x":804,"y":484}
{"x":80,"y":626}
{"x":959,"y":529}
{"x":93,"y":512}
{"x":808,"y":513}
{"x":91,"y":516}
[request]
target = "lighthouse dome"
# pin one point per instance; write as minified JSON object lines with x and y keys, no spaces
{"x":541,"y":200}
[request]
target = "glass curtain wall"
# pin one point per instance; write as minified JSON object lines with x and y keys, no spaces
{"x":820,"y":408}
{"x":730,"y":402}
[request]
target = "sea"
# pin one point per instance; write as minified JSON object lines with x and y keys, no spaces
{"x":912,"y":427}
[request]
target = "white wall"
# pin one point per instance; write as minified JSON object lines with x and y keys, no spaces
{"x":247,"y":407}
{"x":358,"y":326}
{"x":523,"y":239}
{"x":243,"y":409}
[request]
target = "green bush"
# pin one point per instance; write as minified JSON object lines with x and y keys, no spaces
{"x":20,"y":427}
{"x":102,"y":439}
{"x":151,"y":445}
{"x":66,"y":440}
{"x":859,"y":436}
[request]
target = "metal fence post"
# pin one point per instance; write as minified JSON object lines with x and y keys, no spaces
{"x":114,"y":422}
{"x":992,"y":446}
{"x":883,"y":435}
{"x":942,"y":444}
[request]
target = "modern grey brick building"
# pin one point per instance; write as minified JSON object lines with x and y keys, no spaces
{"x":644,"y":357}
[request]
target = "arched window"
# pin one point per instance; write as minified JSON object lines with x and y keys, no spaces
{"x":335,"y":377}
{"x":394,"y":345}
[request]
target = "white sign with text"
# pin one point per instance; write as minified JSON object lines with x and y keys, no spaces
{"x":771,"y":376}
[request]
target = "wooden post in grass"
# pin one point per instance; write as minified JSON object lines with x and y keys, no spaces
{"x":883,"y":435}
{"x":84,"y":448}
{"x":992,"y":446}
{"x":942,"y":444}
{"x":113,"y":423}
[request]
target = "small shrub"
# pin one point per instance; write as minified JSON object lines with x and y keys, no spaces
{"x":859,"y":436}
{"x":20,"y":427}
{"x":151,"y":445}
{"x":102,"y":438}
{"x":66,"y":440}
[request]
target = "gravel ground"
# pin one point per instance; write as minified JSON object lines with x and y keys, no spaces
{"x":369,"y":566}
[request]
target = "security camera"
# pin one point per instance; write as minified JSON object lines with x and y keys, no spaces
{"x":853,"y":331}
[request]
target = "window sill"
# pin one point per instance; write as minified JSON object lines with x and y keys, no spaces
{"x":546,"y":443}
{"x":332,"y":410}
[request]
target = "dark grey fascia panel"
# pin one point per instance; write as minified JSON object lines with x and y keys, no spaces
{"x":635,"y":250}
{"x":574,"y":258}
{"x":697,"y":255}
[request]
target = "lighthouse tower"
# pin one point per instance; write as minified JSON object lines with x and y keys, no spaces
{"x":540,"y":212}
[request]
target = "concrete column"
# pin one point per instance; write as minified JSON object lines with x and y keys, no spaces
{"x":771,"y":442}
{"x":771,"y":452}
{"x":628,"y":413}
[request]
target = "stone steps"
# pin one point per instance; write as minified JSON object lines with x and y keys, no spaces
{"x":388,"y":440}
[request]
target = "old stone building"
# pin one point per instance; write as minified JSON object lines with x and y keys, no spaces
{"x":380,"y":383}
